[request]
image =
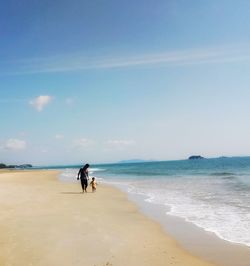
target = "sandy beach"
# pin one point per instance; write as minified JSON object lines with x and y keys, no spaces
{"x":47,"y":222}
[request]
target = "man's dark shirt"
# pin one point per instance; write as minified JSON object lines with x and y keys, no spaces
{"x":83,"y":174}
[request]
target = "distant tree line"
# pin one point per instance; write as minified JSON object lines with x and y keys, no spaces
{"x":2,"y":166}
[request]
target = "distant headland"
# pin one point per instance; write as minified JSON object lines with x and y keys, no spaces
{"x":22,"y":166}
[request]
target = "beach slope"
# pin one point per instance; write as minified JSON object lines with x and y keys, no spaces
{"x":45,"y":222}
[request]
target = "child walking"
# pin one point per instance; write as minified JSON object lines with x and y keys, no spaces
{"x":93,"y":184}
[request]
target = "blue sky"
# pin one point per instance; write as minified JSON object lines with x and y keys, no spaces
{"x":103,"y":81}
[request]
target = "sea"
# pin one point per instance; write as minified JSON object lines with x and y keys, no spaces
{"x":213,"y":194}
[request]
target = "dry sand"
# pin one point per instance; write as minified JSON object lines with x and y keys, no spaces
{"x":46,"y":222}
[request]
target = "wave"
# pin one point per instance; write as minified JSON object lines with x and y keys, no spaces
{"x":211,"y":221}
{"x":97,"y":169}
{"x":207,"y":204}
{"x":222,"y":174}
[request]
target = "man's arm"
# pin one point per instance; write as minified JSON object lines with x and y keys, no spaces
{"x":78,"y":174}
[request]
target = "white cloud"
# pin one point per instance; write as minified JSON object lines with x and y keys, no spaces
{"x":83,"y":143}
{"x":59,"y":136}
{"x":40,"y":102}
{"x":121,"y":142}
{"x":15,"y":144}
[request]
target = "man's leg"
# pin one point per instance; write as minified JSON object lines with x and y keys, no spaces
{"x":83,"y":184}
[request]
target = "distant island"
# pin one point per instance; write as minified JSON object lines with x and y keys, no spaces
{"x":3,"y":166}
{"x":195,"y":157}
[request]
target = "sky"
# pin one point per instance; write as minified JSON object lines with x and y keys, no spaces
{"x":102,"y":81}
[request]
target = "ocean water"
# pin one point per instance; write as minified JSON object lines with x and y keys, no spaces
{"x":213,"y":194}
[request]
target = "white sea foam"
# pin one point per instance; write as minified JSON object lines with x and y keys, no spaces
{"x":68,"y":175}
{"x":226,"y":222}
{"x":93,"y":170}
{"x":209,"y":204}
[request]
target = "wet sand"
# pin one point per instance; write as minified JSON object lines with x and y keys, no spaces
{"x":196,"y":240}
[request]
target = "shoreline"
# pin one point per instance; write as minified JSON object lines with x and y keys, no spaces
{"x":195,"y":239}
{"x":48,"y":222}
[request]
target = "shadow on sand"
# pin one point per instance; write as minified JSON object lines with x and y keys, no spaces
{"x":71,"y":193}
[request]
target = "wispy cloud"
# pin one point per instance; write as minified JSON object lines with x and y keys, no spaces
{"x":83,"y":143}
{"x":120,"y":144}
{"x":211,"y":55}
{"x":15,"y":145}
{"x":40,"y":102}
